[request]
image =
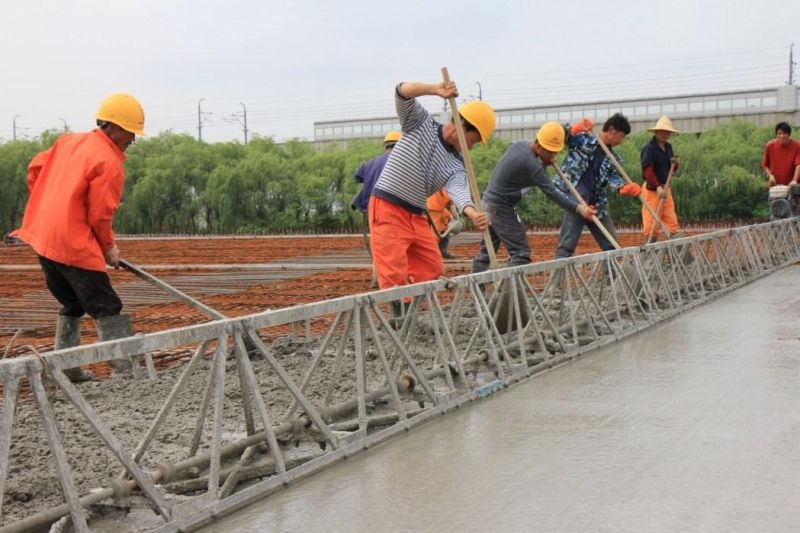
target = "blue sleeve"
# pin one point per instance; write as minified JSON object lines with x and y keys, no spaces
{"x":614,"y":179}
{"x":646,"y":156}
{"x":571,"y":140}
{"x":360,"y":173}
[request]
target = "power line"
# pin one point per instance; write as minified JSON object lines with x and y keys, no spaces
{"x":750,"y":69}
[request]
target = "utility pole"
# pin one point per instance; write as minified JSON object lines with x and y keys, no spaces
{"x":66,"y":128}
{"x":199,"y":121}
{"x":792,"y":63}
{"x":480,"y":92}
{"x":244,"y":124}
{"x":14,"y":127}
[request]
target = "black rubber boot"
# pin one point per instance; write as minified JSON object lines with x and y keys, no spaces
{"x":114,"y":327}
{"x":68,"y":335}
{"x":397,"y":315}
{"x":478,"y":266}
{"x":443,"y":243}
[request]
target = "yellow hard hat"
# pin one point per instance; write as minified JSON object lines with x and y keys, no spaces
{"x":123,"y":110}
{"x":481,"y":115}
{"x":392,"y":137}
{"x":551,"y":136}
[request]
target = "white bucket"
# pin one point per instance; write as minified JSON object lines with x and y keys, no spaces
{"x":778,"y":191}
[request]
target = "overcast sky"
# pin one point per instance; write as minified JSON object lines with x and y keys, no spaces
{"x":294,"y":62}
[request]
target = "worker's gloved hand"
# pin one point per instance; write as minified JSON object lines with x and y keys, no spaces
{"x":662,"y":192}
{"x":584,"y":125}
{"x":631,"y":189}
{"x":112,"y":256}
{"x":478,"y":218}
{"x":454,"y":227}
{"x":587,"y":211}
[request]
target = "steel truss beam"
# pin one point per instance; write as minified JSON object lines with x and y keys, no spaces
{"x":364,"y":371}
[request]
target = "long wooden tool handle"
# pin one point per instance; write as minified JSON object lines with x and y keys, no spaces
{"x":660,"y":206}
{"x":473,"y":183}
{"x":629,"y":180}
{"x":200,"y":306}
{"x":581,"y":201}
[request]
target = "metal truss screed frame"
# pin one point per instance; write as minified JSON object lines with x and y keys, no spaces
{"x":374,"y":365}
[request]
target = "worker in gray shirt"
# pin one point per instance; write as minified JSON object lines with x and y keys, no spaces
{"x":521,"y":168}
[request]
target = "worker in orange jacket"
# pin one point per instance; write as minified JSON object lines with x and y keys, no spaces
{"x":441,"y":212}
{"x":75,"y":188}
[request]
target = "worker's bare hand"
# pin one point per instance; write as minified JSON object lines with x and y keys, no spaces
{"x":112,"y":256}
{"x":446,"y":89}
{"x":770,"y":181}
{"x":587,"y":211}
{"x":479,"y":219}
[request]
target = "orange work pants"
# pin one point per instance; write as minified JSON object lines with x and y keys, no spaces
{"x":404,"y":249}
{"x":668,"y":216}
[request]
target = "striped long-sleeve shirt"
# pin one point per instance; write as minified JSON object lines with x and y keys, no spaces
{"x":421,"y":163}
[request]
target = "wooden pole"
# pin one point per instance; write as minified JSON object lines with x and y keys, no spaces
{"x":581,"y":201}
{"x":473,"y":183}
{"x":660,"y":206}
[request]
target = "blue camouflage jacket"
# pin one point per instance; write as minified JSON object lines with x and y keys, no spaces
{"x":581,"y":150}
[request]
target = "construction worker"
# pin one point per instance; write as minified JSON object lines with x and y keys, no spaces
{"x":425,"y":160}
{"x":657,"y":158}
{"x":521,"y":168}
{"x":75,"y":189}
{"x":781,"y":160}
{"x":442,"y":212}
{"x":592,"y":173}
{"x":367,"y":174}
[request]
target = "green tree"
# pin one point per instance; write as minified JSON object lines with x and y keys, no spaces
{"x":175,"y":184}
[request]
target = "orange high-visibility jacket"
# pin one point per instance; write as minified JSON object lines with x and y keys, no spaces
{"x":75,"y":187}
{"x":439,"y":209}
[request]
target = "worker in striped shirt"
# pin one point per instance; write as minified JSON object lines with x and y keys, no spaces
{"x":426,"y":159}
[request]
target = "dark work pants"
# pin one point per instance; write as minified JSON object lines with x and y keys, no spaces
{"x":508,"y":229}
{"x":571,"y":228}
{"x":80,"y":291}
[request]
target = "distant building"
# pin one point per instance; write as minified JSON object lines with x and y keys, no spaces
{"x":690,"y":113}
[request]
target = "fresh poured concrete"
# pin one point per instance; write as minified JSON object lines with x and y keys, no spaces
{"x":693,"y":425}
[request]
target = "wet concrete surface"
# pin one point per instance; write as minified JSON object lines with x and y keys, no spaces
{"x":693,"y":425}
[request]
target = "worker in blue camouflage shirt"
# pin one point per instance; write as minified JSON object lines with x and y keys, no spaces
{"x":591,"y":172}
